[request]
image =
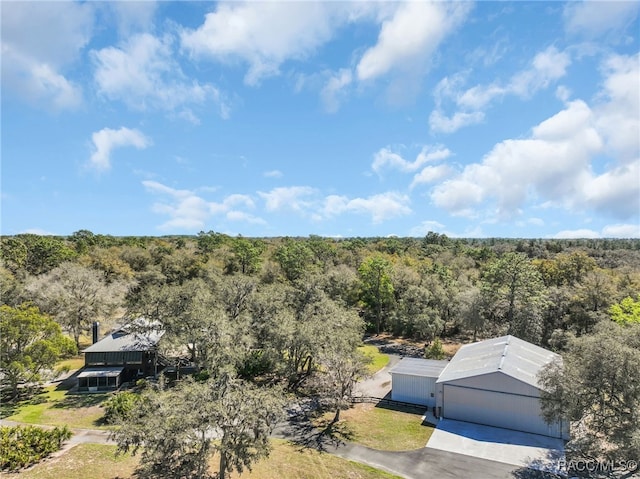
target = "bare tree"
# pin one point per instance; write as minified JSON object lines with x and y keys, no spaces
{"x":75,"y":296}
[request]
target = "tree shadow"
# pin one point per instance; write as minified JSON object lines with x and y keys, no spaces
{"x":75,"y":401}
{"x":547,"y":467}
{"x":321,"y":435}
{"x":386,"y":403}
{"x":69,"y":382}
{"x":27,"y":396}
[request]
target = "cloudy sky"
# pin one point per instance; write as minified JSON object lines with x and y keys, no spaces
{"x":333,"y":118}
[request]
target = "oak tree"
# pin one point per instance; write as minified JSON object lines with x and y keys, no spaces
{"x":30,"y":344}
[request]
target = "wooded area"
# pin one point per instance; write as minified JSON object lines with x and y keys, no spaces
{"x":269,"y":313}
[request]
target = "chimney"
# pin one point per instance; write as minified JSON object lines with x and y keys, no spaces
{"x":95,"y":329}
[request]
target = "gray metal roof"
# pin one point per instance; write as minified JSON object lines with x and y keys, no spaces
{"x":123,"y":340}
{"x":110,"y":372}
{"x":507,"y":354}
{"x":430,"y":368}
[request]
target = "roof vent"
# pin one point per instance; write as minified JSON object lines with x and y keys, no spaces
{"x":504,"y":353}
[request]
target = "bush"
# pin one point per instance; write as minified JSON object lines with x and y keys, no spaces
{"x":435,"y":350}
{"x":118,"y":407}
{"x":22,"y":446}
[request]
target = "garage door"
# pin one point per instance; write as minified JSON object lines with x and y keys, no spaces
{"x":509,"y":411}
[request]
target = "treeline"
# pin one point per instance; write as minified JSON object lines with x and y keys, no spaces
{"x":540,"y":290}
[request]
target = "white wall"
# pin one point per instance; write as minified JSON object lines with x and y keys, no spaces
{"x":413,"y":389}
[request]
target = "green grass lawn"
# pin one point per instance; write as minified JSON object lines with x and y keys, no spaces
{"x":97,"y":461}
{"x":378,"y":360}
{"x":380,"y":428}
{"x":56,"y":407}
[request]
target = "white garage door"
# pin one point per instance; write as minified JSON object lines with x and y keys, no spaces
{"x":509,"y":411}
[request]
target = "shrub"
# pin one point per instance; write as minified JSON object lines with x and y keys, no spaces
{"x":118,"y":407}
{"x":435,"y":350}
{"x":22,"y":446}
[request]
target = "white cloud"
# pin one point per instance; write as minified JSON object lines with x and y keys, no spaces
{"x":307,"y":202}
{"x":264,"y":34}
{"x":425,"y":227}
{"x":581,"y":158}
{"x":618,"y":116}
{"x":386,"y":158}
{"x":430,"y":174}
{"x":41,"y":84}
{"x":334,"y":90}
{"x":188,"y":211}
{"x":133,"y":17}
{"x":616,"y":192}
{"x":576,"y":234}
{"x":552,"y":163}
{"x":37,"y":231}
{"x":546,"y":67}
{"x":144,"y":75}
{"x":230,"y":202}
{"x":438,"y":122}
{"x":592,"y":18}
{"x":39,"y":41}
{"x":244,"y":217}
{"x":563,"y":93}
{"x":273,"y":174}
{"x":621,"y":231}
{"x":410,"y":37}
{"x":291,"y":198}
{"x":381,"y":207}
{"x":106,"y":140}
{"x":609,"y":231}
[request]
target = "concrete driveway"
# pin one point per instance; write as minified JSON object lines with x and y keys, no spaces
{"x":496,"y":444}
{"x":378,"y":385}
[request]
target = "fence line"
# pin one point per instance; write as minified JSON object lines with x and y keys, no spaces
{"x":386,"y":402}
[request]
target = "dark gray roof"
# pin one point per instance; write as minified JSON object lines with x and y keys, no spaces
{"x":430,"y":368}
{"x":124,"y":340}
{"x":507,"y":354}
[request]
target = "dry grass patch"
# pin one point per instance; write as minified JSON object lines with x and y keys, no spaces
{"x":70,"y":364}
{"x":84,"y":461}
{"x":289,"y":462}
{"x":97,"y":461}
{"x":380,"y":428}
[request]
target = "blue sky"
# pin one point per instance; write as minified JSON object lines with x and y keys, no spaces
{"x":487,"y":119}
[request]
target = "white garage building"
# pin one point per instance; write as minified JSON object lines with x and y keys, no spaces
{"x":494,"y":382}
{"x":413,"y":380}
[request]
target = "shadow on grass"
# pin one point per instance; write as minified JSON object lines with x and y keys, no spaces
{"x":27,"y":396}
{"x":75,"y":401}
{"x":69,"y":382}
{"x":321,"y":435}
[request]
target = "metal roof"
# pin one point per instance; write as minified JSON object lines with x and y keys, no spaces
{"x":430,"y":368}
{"x":507,"y":354}
{"x":110,"y":372}
{"x":123,"y":340}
